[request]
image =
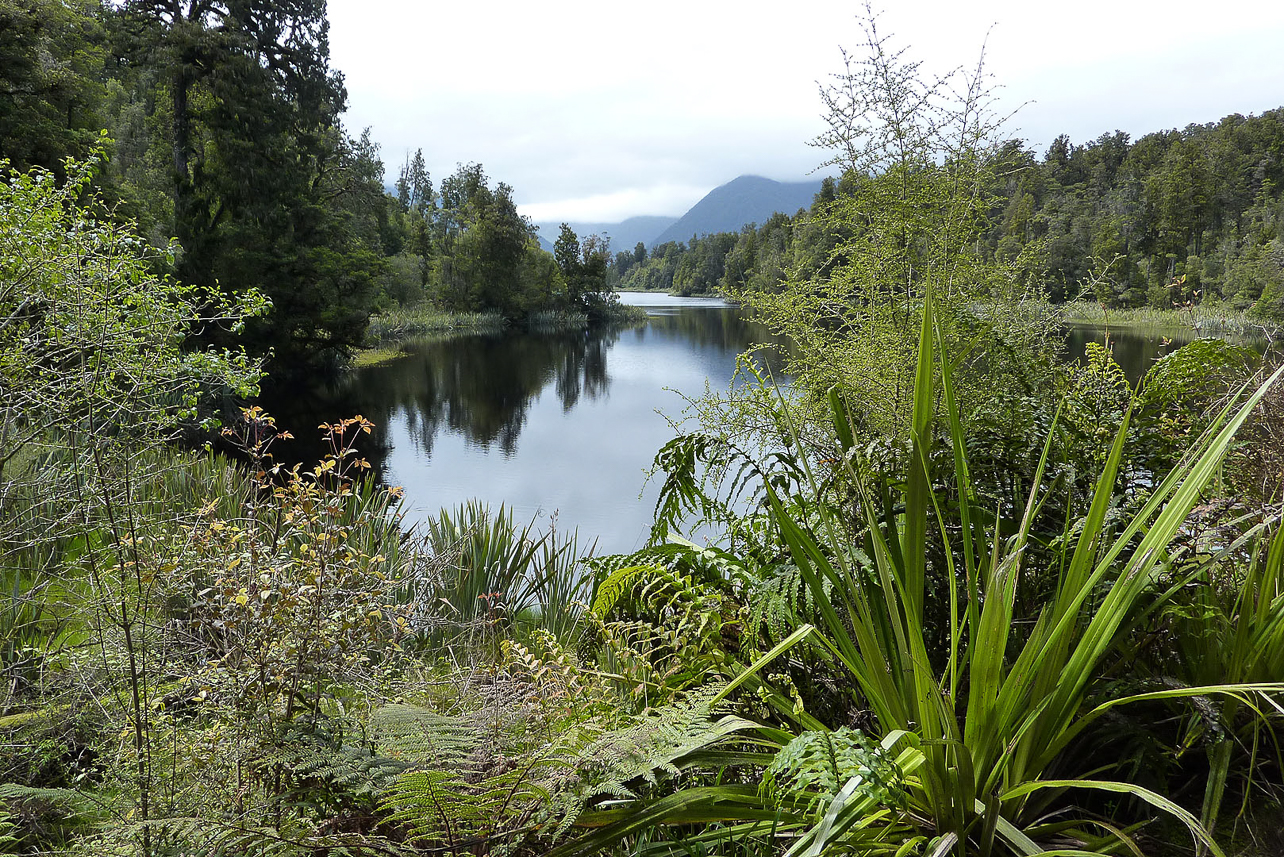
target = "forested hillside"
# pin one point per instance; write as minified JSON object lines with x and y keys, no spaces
{"x":219,"y":124}
{"x":1174,"y":217}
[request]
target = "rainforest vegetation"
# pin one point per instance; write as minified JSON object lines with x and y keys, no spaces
{"x":220,"y":125}
{"x":967,"y":600}
{"x":1175,"y":218}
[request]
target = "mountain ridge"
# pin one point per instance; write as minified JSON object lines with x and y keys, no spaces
{"x":727,"y":208}
{"x":743,"y":200}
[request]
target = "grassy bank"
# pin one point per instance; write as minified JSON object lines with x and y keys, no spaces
{"x":1206,"y":319}
{"x":408,"y":322}
{"x":402,"y":323}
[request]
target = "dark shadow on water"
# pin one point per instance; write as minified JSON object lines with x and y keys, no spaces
{"x":477,"y":385}
{"x":1136,"y":351}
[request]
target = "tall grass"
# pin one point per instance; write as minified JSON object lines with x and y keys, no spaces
{"x":554,"y":320}
{"x":1205,"y":319}
{"x":602,"y":312}
{"x":409,"y":322}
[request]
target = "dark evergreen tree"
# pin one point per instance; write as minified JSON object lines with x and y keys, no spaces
{"x":52,"y":54}
{"x":261,"y":169}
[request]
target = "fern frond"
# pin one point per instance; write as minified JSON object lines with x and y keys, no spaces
{"x":812,"y":768}
{"x":408,"y":732}
{"x":617,"y":584}
{"x":614,"y":764}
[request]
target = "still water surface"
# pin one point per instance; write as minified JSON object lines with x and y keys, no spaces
{"x":563,"y":422}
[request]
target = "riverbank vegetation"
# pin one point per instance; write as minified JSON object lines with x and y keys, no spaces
{"x":966,"y":601}
{"x":1173,"y":220}
{"x":220,"y":125}
{"x":1205,"y":319}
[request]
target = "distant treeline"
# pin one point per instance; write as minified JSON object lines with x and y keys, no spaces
{"x":1175,"y":217}
{"x":219,"y":124}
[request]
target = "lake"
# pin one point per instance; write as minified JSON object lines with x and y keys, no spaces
{"x":544,"y":423}
{"x":559,"y":422}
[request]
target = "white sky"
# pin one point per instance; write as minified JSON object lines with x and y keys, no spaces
{"x":603,"y":110}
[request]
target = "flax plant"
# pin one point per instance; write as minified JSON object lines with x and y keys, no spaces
{"x":984,"y":737}
{"x":491,"y":571}
{"x":985,"y":734}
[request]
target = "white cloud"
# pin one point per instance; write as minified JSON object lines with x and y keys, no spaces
{"x":617,"y":205}
{"x":623,"y":109}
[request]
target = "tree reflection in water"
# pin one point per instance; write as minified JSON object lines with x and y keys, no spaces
{"x":480,"y":386}
{"x":536,"y":421}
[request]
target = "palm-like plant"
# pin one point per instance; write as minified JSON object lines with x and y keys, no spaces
{"x":990,"y":731}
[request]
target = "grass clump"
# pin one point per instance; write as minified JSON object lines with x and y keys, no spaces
{"x":1207,"y":319}
{"x":403,"y":323}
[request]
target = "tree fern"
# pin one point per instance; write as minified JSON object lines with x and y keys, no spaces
{"x":461,"y":790}
{"x":410,"y":733}
{"x":443,"y":808}
{"x":463,"y":793}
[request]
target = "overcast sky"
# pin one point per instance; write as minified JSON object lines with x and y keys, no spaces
{"x":603,"y":110}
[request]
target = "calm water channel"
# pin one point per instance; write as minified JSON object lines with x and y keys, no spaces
{"x":555,"y":422}
{"x":540,"y":422}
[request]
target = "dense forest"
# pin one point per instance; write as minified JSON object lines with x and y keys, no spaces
{"x":219,"y":125}
{"x":961,"y":598}
{"x":1172,"y":218}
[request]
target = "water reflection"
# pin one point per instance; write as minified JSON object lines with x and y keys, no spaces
{"x":1136,"y":351}
{"x":547,"y":422}
{"x":478,"y":386}
{"x":482,"y":386}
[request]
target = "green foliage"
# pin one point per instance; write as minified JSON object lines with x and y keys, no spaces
{"x":1097,"y":399}
{"x":231,"y":112}
{"x":815,"y":766}
{"x":1181,"y":392}
{"x":395,"y":325}
{"x":1227,"y":634}
{"x":296,"y":597}
{"x":474,"y":784}
{"x":986,"y":703}
{"x":659,"y":618}
{"x":1258,"y":465}
{"x":41,"y":814}
{"x":455,"y":794}
{"x":51,"y":91}
{"x":491,"y":572}
{"x":92,"y":340}
{"x":1188,"y":218}
{"x":1174,"y":403}
{"x":978,"y":723}
{"x":198,"y":662}
{"x":97,"y":369}
{"x":920,"y":159}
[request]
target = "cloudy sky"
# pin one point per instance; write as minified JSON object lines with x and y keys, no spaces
{"x":604,"y":110}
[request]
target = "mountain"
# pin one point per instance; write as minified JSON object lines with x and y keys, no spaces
{"x":748,"y":199}
{"x":624,"y":235}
